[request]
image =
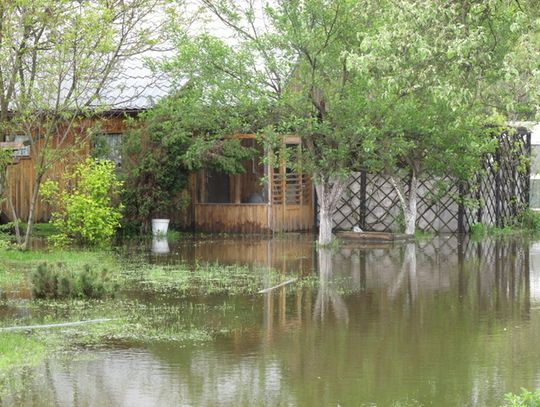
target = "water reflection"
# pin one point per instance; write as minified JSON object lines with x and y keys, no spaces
{"x":442,"y":323}
{"x":294,"y":253}
{"x":328,"y":297}
{"x":160,"y":245}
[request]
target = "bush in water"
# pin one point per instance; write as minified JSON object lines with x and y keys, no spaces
{"x":58,"y":282}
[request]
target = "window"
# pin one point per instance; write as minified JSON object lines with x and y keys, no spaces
{"x":23,"y":139}
{"x":108,"y":147}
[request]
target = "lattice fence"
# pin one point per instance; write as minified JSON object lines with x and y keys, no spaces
{"x":494,"y":197}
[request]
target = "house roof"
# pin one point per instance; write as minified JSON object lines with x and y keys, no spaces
{"x":135,"y":86}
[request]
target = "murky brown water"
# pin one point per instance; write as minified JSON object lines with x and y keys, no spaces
{"x":440,"y":323}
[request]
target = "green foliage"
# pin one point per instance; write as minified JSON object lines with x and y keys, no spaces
{"x":87,"y":211}
{"x":5,"y":238}
{"x":183,"y":133}
{"x":44,"y":40}
{"x":525,"y":399}
{"x":529,"y":220}
{"x":43,"y":230}
{"x":56,"y":281}
{"x":479,"y":230}
{"x":422,"y":235}
{"x":403,"y":87}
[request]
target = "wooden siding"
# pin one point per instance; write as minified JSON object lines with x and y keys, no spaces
{"x":21,"y":176}
{"x":252,"y":218}
{"x":238,"y":218}
{"x":290,"y":196}
{"x":291,"y":218}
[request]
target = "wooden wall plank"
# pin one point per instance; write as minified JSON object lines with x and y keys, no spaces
{"x":21,"y":176}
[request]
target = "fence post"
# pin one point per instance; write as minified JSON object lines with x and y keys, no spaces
{"x":479,"y":213}
{"x":498,"y":222}
{"x":363,"y":198}
{"x":461,"y":209}
{"x":526,"y":197}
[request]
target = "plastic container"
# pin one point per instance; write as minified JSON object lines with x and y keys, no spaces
{"x":160,"y":227}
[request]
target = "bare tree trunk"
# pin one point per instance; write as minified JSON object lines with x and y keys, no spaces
{"x":15,"y":218}
{"x":6,"y":194}
{"x":30,"y":223}
{"x":325,"y":225}
{"x":329,"y":192}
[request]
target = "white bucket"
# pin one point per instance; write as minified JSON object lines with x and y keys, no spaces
{"x":160,"y":227}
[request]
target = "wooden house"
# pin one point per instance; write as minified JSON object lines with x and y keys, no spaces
{"x":264,"y":198}
{"x":268,"y":196}
{"x":21,"y":173}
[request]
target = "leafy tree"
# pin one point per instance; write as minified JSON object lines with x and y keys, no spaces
{"x":58,"y":62}
{"x":408,"y":87}
{"x":439,"y":78}
{"x":182,"y":133}
{"x":288,"y":57}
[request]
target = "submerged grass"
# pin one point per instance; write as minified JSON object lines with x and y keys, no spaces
{"x":25,"y":260}
{"x":17,"y":266}
{"x":155,"y":303}
{"x":17,"y":352}
{"x":207,"y":279}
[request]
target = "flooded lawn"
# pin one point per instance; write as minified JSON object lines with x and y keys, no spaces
{"x":436,"y":323}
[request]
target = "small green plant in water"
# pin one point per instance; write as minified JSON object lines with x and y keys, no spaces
{"x":479,"y":230}
{"x":525,"y":399}
{"x":423,"y":235}
{"x":529,"y":220}
{"x":334,"y":244}
{"x":58,"y":282}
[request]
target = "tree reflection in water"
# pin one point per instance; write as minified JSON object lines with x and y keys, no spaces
{"x":446,"y":322}
{"x":327,"y":296}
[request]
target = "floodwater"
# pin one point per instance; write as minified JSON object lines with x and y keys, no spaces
{"x":437,"y":323}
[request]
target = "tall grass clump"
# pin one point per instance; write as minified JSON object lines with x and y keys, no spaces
{"x":56,"y":281}
{"x":530,"y":220}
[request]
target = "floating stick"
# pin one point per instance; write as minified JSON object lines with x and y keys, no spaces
{"x":267,"y":290}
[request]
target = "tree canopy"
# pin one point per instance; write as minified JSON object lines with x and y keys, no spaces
{"x":408,"y":88}
{"x":59,"y":61}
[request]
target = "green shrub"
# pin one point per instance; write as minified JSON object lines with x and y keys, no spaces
{"x":160,"y":151}
{"x":87,"y":211}
{"x":93,"y":283}
{"x":479,"y":230}
{"x":58,"y":282}
{"x":530,"y":220}
{"x":525,"y":399}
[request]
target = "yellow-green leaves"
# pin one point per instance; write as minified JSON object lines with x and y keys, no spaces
{"x":87,"y":210}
